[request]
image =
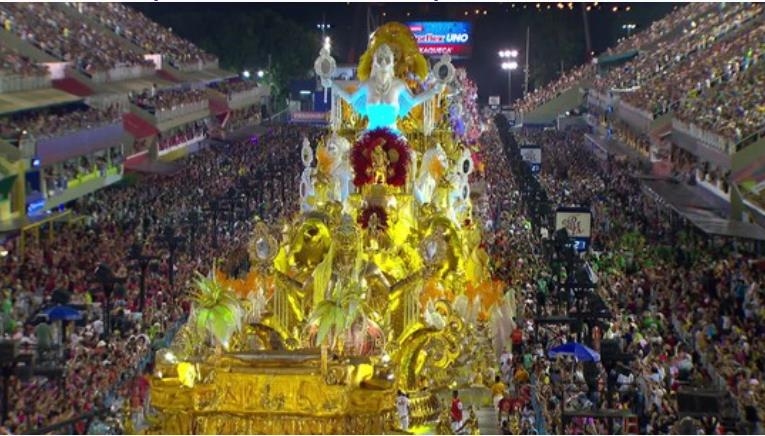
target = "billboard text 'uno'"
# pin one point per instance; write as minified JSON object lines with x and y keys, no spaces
{"x":443,"y":37}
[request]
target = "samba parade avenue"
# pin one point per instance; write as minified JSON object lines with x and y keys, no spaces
{"x":301,"y":233}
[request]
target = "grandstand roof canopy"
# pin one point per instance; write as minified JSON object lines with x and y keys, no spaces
{"x":37,"y":98}
{"x":714,"y":225}
{"x":211,"y":75}
{"x":701,"y":213}
{"x":170,"y":124}
{"x":616,"y":148}
{"x":619,"y":57}
{"x":135,"y":85}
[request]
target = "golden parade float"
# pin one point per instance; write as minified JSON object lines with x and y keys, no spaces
{"x":379,"y":285}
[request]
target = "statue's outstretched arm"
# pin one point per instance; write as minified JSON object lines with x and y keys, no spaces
{"x":415,"y":100}
{"x":407,"y":101}
{"x":352,"y":99}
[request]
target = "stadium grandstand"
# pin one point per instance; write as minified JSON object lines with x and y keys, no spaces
{"x":94,"y":89}
{"x":88,"y":94}
{"x":675,"y":114}
{"x":685,"y":93}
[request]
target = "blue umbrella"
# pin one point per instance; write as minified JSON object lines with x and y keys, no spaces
{"x":62,"y":313}
{"x":578,"y":351}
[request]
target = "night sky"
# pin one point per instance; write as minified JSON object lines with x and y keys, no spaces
{"x":495,"y":26}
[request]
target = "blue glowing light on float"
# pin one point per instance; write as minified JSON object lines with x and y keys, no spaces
{"x":382,"y":115}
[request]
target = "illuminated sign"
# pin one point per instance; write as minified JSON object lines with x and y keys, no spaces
{"x":578,"y":224}
{"x":36,"y":208}
{"x":581,"y":244}
{"x":533,"y":155}
{"x":435,"y":38}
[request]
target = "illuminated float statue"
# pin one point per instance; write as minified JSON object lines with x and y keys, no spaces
{"x":382,"y":98}
{"x":380,"y":284}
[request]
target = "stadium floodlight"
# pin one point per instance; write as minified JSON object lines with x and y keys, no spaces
{"x":629,"y":27}
{"x":510,"y":65}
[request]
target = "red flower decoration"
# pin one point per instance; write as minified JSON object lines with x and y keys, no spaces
{"x":367,"y":212}
{"x":396,"y":153}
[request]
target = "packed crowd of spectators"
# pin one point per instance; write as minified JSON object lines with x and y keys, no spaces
{"x":156,"y":100}
{"x":720,"y":72}
{"x":640,"y":326}
{"x":50,"y":29}
{"x":58,"y":176}
{"x":700,"y":60}
{"x":242,"y":117}
{"x":47,"y":123}
{"x":712,"y":26}
{"x":14,"y":63}
{"x":688,"y":311}
{"x":150,"y":36}
{"x":507,"y":242}
{"x":197,"y":129}
{"x":99,"y":355}
{"x":681,"y":19}
{"x":656,"y":35}
{"x":232,"y":86}
{"x":733,"y":105}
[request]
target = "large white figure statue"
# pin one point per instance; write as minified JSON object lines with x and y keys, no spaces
{"x":433,"y":167}
{"x":383,"y":98}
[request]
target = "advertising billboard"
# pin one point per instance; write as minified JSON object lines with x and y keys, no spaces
{"x":443,"y":37}
{"x":533,"y":155}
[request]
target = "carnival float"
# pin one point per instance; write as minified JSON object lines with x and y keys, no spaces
{"x":380,"y":284}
